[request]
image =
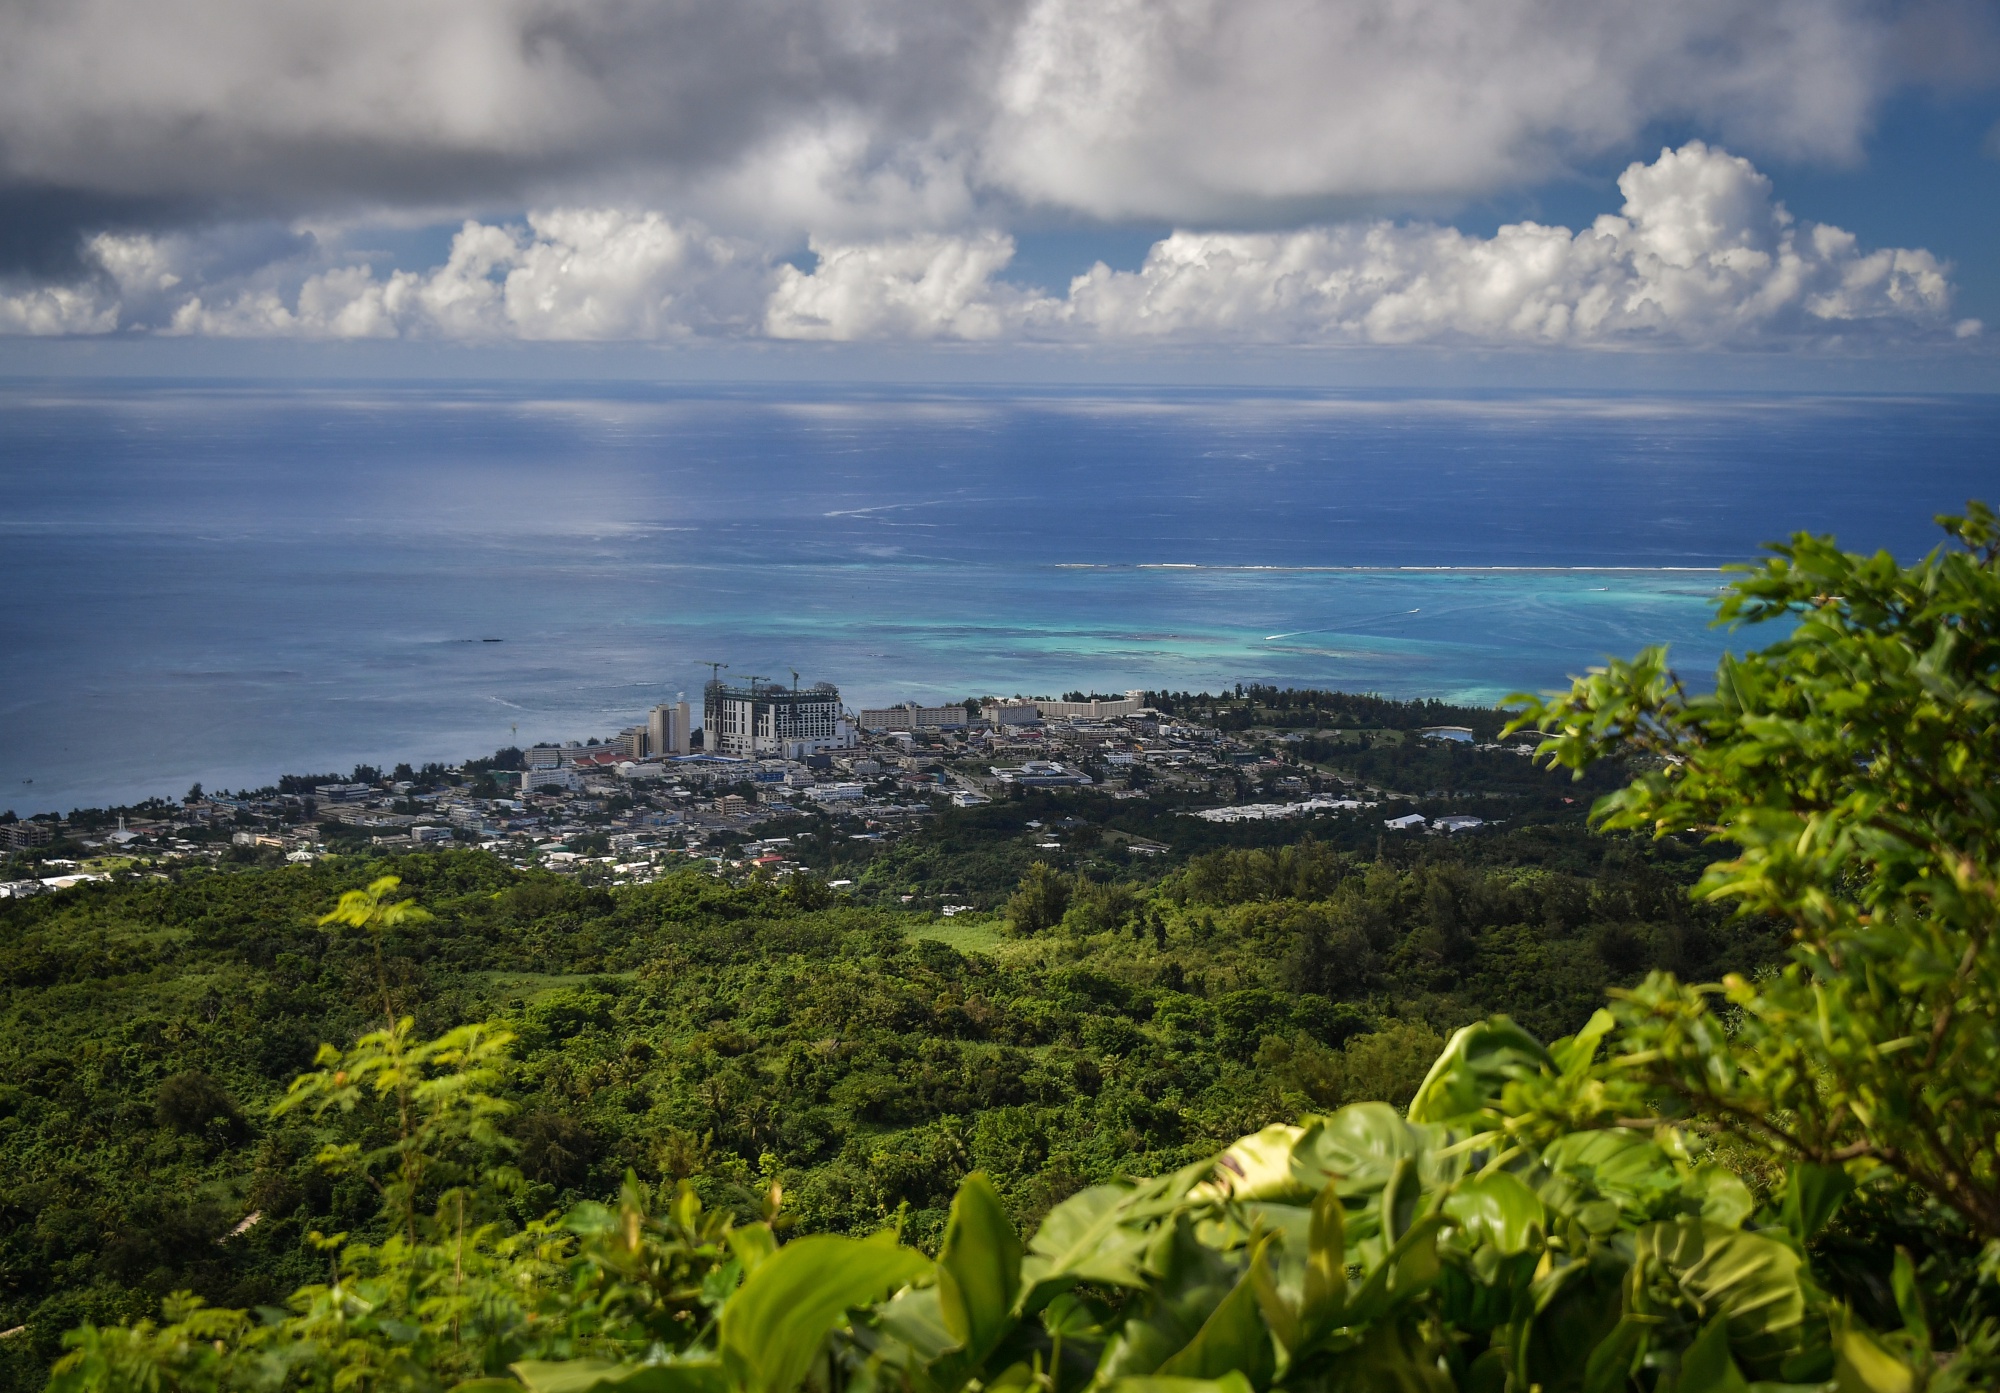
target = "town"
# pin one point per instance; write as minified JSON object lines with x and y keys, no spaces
{"x":768,"y":762}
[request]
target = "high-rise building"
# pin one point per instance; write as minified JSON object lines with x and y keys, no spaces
{"x":788,"y":723}
{"x":667,"y":727}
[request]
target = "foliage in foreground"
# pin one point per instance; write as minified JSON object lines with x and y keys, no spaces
{"x":1360,"y":1250}
{"x":1852,"y":767}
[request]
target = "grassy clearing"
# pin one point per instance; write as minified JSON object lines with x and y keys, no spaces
{"x":967,"y":934}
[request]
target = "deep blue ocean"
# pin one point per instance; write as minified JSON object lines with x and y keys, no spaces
{"x":226,"y":583}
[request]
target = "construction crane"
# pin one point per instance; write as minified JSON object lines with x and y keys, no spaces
{"x":715,"y":671}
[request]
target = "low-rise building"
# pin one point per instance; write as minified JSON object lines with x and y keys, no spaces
{"x":911,"y":716}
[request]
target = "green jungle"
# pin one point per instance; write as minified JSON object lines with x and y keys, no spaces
{"x":1699,"y":1093}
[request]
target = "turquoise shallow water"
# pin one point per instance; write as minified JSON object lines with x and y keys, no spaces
{"x":226,"y":583}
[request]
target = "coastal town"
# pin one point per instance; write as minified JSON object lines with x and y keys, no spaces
{"x":733,"y":788}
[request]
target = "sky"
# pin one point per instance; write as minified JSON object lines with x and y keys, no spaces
{"x":1763,"y":191}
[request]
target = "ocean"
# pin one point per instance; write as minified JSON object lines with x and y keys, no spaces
{"x":227,"y":582}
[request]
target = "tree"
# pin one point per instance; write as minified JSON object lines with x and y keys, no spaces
{"x":1041,"y":900}
{"x":1853,"y":767}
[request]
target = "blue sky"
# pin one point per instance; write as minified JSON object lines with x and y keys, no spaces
{"x":1791,"y":191}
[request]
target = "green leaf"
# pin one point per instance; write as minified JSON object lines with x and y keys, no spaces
{"x":752,"y":1243}
{"x":1909,"y":1301}
{"x":1707,"y":1366}
{"x":584,"y":1375}
{"x":1083,"y":1239}
{"x":1155,"y":1383}
{"x":1572,"y":1054}
{"x":1232,"y":1339}
{"x":772,"y":1327}
{"x":1357,"y":1148}
{"x":914,"y":1318}
{"x":1751,"y":1281}
{"x":1400,"y":1198}
{"x":1610,"y":1365}
{"x":1863,"y":1366}
{"x":1725,"y":1199}
{"x":979,"y":1268}
{"x":1813,"y":1195}
{"x":1325,"y":1289}
{"x":1626,"y":1168}
{"x":1497,"y":1209}
{"x":1477,"y":1064}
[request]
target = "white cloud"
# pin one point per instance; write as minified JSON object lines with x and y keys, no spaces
{"x":582,"y":274}
{"x":925,"y":287}
{"x":1700,"y":254}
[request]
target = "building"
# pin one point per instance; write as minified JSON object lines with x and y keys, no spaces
{"x":1001,"y":714}
{"x":1408,"y":822}
{"x":19,"y":836}
{"x":1457,"y":822}
{"x":910,"y":716}
{"x":1092,"y":710}
{"x":1041,"y":773}
{"x":788,"y":723}
{"x":1459,"y":734}
{"x":667,"y":729}
{"x":343,"y":793}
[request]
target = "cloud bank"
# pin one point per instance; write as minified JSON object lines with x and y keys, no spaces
{"x":864,"y":117}
{"x":1700,"y":254}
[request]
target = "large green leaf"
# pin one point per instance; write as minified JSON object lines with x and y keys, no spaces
{"x":1749,"y":1280}
{"x":978,"y":1269}
{"x":913,"y":1317}
{"x":1391,"y":1358}
{"x":1497,"y":1209}
{"x":773,"y":1326}
{"x":1190,"y":1281}
{"x":1155,"y":1383}
{"x":604,"y":1376}
{"x":1813,"y":1195}
{"x":1576,"y":1307}
{"x":1624,"y":1167}
{"x":1357,"y":1148}
{"x":1085,"y":1238}
{"x":1707,"y":1366}
{"x":1324,"y":1292}
{"x":1477,"y":1064}
{"x":1232,"y":1339}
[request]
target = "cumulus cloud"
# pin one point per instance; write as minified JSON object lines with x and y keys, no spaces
{"x":1700,"y":254}
{"x":570,"y":274}
{"x":856,"y":118}
{"x":926,"y":287}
